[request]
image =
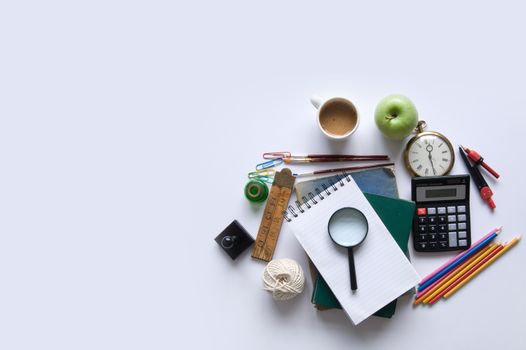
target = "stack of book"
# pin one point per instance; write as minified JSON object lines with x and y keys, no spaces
{"x":380,"y":189}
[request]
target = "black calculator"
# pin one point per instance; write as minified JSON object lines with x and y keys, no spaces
{"x":441,"y":221}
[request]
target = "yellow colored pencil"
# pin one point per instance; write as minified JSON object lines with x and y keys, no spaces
{"x":451,"y":279}
{"x":507,"y":247}
{"x":467,"y":274}
{"x":439,"y":283}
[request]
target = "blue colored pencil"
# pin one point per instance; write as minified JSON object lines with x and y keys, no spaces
{"x":453,"y":265}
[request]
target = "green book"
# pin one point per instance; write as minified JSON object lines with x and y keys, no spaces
{"x":379,"y":187}
{"x":397,"y":216}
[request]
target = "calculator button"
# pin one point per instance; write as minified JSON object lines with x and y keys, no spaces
{"x":432,"y":229}
{"x":451,"y":210}
{"x":422,"y":220}
{"x":441,"y":219}
{"x":462,"y":243}
{"x":452,"y":227}
{"x":442,"y":236}
{"x":451,"y":218}
{"x":432,"y":219}
{"x":462,"y":234}
{"x":433,"y":245}
{"x":442,"y":228}
{"x":441,"y":210}
{"x":452,"y":239}
{"x":431,"y":211}
{"x":421,"y":211}
{"x":461,"y":209}
{"x":422,"y":237}
{"x":462,"y":217}
{"x":422,"y":245}
{"x":462,"y":226}
{"x":442,"y":244}
{"x":432,"y":237}
{"x":422,"y":229}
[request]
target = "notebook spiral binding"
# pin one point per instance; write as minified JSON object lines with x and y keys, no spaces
{"x":307,"y":203}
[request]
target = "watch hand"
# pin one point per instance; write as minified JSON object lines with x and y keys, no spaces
{"x":432,"y":165}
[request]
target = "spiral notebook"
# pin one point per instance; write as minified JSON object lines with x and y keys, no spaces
{"x":383,"y":271}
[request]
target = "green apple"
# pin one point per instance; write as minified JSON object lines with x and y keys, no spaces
{"x":396,"y":116}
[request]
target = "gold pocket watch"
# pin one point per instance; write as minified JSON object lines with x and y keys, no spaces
{"x":429,"y":153}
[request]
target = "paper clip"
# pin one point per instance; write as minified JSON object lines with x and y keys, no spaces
{"x":261,"y":173}
{"x":269,"y":180}
{"x":275,"y":155}
{"x":265,"y":175}
{"x":269,"y":164}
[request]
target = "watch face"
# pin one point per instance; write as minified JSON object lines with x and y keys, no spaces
{"x":430,"y":155}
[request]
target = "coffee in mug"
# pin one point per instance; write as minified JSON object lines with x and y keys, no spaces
{"x":337,"y":117}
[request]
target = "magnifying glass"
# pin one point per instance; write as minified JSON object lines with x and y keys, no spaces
{"x":348,"y":228}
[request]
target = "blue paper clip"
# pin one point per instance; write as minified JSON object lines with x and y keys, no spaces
{"x":269,"y":164}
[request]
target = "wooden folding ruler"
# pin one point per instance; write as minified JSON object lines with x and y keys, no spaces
{"x":270,"y":226}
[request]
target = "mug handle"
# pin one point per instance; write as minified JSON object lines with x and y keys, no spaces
{"x":316,"y":101}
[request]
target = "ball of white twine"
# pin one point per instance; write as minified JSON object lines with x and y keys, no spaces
{"x":284,"y":278}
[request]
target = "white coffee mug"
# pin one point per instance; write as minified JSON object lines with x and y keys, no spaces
{"x":337,"y":117}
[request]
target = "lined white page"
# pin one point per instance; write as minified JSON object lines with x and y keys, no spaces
{"x":383,"y":272}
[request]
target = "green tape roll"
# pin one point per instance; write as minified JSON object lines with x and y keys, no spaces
{"x":256,"y":191}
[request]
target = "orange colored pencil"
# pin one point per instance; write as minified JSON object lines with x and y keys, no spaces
{"x":507,"y":247}
{"x":465,"y":274}
{"x":459,"y":272}
{"x":438,"y":283}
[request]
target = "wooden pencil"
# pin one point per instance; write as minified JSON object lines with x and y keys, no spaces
{"x":464,"y":275}
{"x":425,"y":293}
{"x":507,"y":247}
{"x":458,"y":272}
{"x":472,"y":251}
{"x":455,"y":258}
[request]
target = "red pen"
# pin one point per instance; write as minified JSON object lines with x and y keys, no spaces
{"x":485,"y":191}
{"x":474,"y":156}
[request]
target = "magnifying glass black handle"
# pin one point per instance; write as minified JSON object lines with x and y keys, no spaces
{"x":352,"y":271}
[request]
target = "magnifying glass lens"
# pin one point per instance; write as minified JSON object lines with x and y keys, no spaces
{"x":348,"y":228}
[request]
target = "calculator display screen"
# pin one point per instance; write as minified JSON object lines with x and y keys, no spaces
{"x":444,"y":192}
{"x":440,"y":193}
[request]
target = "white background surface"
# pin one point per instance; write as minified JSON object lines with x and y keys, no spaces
{"x":128,"y":127}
